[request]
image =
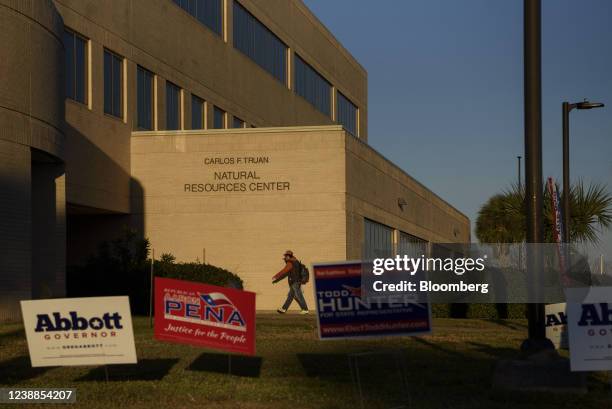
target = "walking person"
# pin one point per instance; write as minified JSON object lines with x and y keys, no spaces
{"x":297,"y":275}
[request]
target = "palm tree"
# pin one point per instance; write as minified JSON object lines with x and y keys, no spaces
{"x":502,"y":218}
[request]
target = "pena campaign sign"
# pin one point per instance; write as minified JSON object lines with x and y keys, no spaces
{"x":205,"y":315}
{"x":341,"y":312}
{"x":590,"y":328}
{"x":79,"y":331}
{"x":556,"y":324}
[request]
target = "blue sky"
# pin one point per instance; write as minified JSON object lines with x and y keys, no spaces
{"x":445,"y":88}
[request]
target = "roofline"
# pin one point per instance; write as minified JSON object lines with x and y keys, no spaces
{"x":273,"y":129}
{"x":328,"y":33}
{"x":285,"y":129}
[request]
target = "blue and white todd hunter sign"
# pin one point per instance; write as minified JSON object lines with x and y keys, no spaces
{"x":342,"y":313}
{"x":79,"y":331}
{"x":590,"y":328}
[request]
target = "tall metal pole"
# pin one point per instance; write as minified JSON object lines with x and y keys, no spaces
{"x":520,"y":192}
{"x":566,"y":173}
{"x":151,"y":289}
{"x":533,"y":163}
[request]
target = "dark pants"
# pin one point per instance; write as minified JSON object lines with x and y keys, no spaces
{"x":295,"y":292}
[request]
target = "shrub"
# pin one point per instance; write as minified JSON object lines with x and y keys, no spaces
{"x":122,"y":267}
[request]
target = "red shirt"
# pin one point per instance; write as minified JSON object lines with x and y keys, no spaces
{"x":283,"y":273}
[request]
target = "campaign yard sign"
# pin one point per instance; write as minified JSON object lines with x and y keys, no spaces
{"x":342,"y":313}
{"x":590,"y":328}
{"x":556,"y":325}
{"x":79,"y":331}
{"x":205,"y":315}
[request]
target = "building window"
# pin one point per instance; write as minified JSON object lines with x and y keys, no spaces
{"x":173,"y":106}
{"x":411,"y":245}
{"x":207,"y":12}
{"x":237,"y":123}
{"x":144,"y":88}
{"x":76,"y":66}
{"x":258,"y":43}
{"x":347,"y":114}
{"x":311,"y":86}
{"x":113,"y":84}
{"x":197,"y":112}
{"x":378,"y":240}
{"x":219,"y":118}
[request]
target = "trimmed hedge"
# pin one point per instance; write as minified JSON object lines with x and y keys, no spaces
{"x":122,"y":267}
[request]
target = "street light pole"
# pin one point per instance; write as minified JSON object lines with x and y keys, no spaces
{"x":566,"y":177}
{"x":566,"y":108}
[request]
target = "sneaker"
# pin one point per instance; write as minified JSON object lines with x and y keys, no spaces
{"x":304,"y":312}
{"x":281,"y":310}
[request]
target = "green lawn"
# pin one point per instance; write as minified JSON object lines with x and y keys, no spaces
{"x":452,"y":368}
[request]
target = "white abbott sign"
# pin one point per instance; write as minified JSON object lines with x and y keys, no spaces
{"x":556,"y":324}
{"x":590,"y":328}
{"x":79,"y":331}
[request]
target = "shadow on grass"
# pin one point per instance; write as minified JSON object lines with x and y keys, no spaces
{"x":494,"y":352}
{"x":16,"y":333}
{"x":144,"y":370}
{"x":329,"y":366}
{"x":19,"y":369}
{"x":505,"y":323}
{"x":438,"y":348}
{"x":239,"y":365}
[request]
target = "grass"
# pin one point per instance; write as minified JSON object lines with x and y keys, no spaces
{"x":452,"y":368}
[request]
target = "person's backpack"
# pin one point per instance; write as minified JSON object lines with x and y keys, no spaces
{"x":304,"y":273}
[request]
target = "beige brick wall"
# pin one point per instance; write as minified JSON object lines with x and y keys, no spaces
{"x":245,"y":232}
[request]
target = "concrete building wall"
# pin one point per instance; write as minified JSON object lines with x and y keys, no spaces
{"x":31,"y":122}
{"x":375,"y":188}
{"x":245,"y":231}
{"x":15,"y":228}
{"x":166,"y":40}
{"x":333,"y":181}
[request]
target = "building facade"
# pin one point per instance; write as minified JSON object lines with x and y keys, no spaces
{"x":111,"y":109}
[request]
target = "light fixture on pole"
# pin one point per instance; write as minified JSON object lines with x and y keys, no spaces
{"x":567,"y":107}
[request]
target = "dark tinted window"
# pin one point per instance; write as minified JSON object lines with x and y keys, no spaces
{"x":173,"y":106}
{"x":197,"y":113}
{"x":208,"y":12}
{"x":347,"y":114}
{"x":219,"y":118}
{"x":144,"y":88}
{"x":76,"y":66}
{"x":311,"y":86}
{"x":258,"y":43}
{"x":113,"y":84}
{"x":237,"y":123}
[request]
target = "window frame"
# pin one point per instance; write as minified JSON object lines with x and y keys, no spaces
{"x":282,"y":73}
{"x":318,"y":75}
{"x":172,"y":86}
{"x":340,"y":95}
{"x":74,"y":35}
{"x":114,"y":57}
{"x":201,"y":18}
{"x":151,"y":77}
{"x":224,"y":117}
{"x":234,"y":119}
{"x":202,"y":110}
